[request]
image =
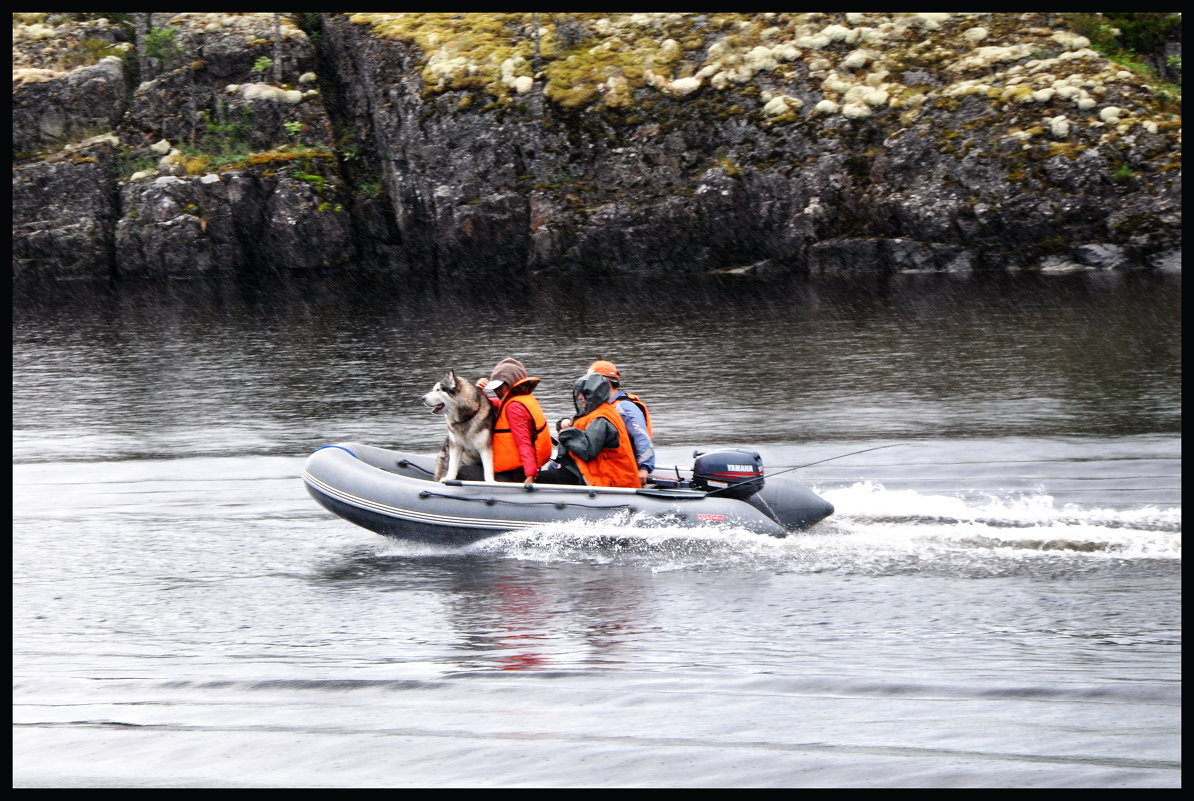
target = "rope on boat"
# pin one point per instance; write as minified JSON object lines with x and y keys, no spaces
{"x":492,"y":501}
{"x":409,"y":463}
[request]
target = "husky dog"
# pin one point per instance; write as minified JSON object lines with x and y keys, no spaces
{"x":470,"y":417}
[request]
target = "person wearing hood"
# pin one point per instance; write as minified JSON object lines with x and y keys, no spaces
{"x":521,"y":441}
{"x":595,"y":447}
{"x":635,"y":415}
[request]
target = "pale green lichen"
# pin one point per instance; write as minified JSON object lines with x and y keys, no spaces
{"x":849,"y":61}
{"x":780,"y":68}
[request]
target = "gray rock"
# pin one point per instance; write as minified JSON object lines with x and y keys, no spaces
{"x":1103,"y":256}
{"x":84,"y":102}
{"x":449,"y":184}
{"x":1170,"y":262}
{"x":64,"y":216}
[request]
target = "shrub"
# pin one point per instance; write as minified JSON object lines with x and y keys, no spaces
{"x":161,"y":45}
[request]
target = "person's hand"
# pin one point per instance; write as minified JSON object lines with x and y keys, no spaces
{"x":530,"y":480}
{"x":643,"y":475}
{"x":565,"y":422}
{"x":482,"y":383}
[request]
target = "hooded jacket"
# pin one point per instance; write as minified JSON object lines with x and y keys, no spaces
{"x":520,"y":436}
{"x":634,"y":413}
{"x":598,"y":444}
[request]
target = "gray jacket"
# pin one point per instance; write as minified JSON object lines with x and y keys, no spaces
{"x":588,"y":393}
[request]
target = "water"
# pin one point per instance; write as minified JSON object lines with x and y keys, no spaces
{"x":996,"y":603}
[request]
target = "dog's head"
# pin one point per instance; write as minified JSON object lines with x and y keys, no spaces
{"x":445,"y":393}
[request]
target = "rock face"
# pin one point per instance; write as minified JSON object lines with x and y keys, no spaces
{"x":510,"y":144}
{"x":84,"y":101}
{"x":64,"y":213}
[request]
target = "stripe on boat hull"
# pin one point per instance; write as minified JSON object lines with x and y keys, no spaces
{"x":410,"y":514}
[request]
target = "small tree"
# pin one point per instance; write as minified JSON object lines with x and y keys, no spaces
{"x":163,"y":50}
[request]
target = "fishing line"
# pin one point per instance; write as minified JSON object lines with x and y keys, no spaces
{"x":800,"y":467}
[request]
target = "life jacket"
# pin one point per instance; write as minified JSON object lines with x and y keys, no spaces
{"x":505,"y":448}
{"x":637,"y":401}
{"x":612,"y":467}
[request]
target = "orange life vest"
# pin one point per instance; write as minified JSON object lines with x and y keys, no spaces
{"x":612,"y":467}
{"x":505,"y":448}
{"x":637,"y":401}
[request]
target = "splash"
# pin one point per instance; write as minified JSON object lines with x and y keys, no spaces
{"x":876,"y":531}
{"x":1028,"y":521}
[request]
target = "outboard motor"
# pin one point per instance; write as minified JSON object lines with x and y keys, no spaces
{"x":732,"y":472}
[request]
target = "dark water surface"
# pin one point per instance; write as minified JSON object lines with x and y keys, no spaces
{"x":996,"y":602}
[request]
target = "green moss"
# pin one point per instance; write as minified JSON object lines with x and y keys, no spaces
{"x":611,"y":71}
{"x":1052,"y":246}
{"x":585,"y":60}
{"x":1131,"y":39}
{"x":369,"y":190}
{"x":1070,"y":150}
{"x":1134,"y":32}
{"x":1131,"y":224}
{"x":127,"y":166}
{"x":463,"y":52}
{"x":89,"y":51}
{"x":786,"y":118}
{"x":944,"y":103}
{"x":730,"y":166}
{"x":198,"y":162}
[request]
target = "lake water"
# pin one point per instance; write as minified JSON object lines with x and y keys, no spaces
{"x":995,"y":603}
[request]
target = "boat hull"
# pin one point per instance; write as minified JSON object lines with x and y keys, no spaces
{"x":391,"y":493}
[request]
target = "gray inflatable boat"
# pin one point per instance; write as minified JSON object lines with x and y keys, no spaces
{"x":395,"y":494}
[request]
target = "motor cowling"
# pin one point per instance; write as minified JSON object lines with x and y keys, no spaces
{"x":732,"y":472}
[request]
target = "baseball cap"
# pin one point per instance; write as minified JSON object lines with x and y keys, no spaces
{"x":605,"y":368}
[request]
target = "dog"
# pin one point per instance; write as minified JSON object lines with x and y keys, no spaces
{"x":470,"y":418}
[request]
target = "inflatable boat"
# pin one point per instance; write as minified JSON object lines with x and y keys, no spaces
{"x":395,"y":494}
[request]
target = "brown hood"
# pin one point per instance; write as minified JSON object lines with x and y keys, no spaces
{"x":510,"y":371}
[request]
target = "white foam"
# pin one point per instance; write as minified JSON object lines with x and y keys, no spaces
{"x":1031,"y":521}
{"x":874,"y":531}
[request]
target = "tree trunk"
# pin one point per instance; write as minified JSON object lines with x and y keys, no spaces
{"x":277,"y":48}
{"x":143,"y":26}
{"x":538,"y":62}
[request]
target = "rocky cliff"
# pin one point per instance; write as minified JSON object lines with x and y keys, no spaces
{"x":434,"y":144}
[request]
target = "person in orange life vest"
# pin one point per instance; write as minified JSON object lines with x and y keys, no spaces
{"x":635,"y":416}
{"x":595,"y":447}
{"x":521,"y":441}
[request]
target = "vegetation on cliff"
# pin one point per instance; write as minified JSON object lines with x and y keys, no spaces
{"x":555,"y":134}
{"x":788,"y":67}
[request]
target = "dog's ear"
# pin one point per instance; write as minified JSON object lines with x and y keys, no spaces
{"x":448,"y":384}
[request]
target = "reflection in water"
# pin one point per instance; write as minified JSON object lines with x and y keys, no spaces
{"x":521,"y":618}
{"x":309,"y":359}
{"x":1016,"y":564}
{"x":509,"y":615}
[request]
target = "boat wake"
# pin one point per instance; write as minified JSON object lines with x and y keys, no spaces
{"x":872,"y":501}
{"x":875,"y":532}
